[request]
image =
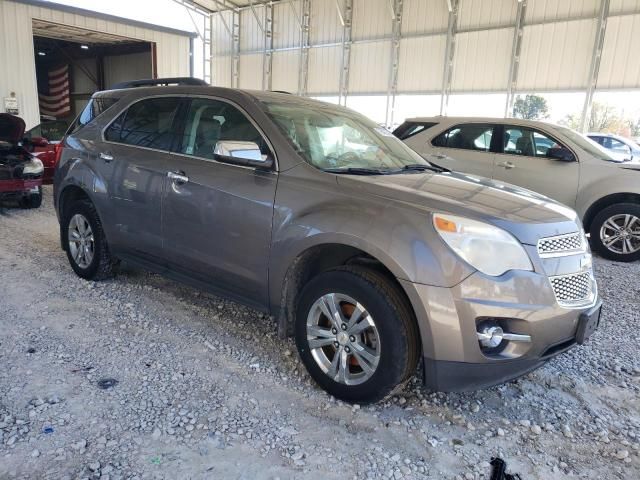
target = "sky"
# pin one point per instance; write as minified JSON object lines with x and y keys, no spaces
{"x":170,"y":14}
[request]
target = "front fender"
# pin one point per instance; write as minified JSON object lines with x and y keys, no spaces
{"x":401,"y":238}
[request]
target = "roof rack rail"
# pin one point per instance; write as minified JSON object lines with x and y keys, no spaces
{"x":160,"y":82}
{"x":282,"y":91}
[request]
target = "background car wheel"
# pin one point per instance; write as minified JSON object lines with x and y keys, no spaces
{"x":615,"y":232}
{"x":356,"y":334}
{"x":85,"y":242}
{"x":33,"y":200}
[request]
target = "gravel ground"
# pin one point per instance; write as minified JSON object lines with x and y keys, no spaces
{"x":206,"y":390}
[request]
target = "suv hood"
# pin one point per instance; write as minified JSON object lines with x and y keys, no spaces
{"x":11,"y":128}
{"x":527,"y":215}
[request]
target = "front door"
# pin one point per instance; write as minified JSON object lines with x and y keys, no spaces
{"x":137,"y":151}
{"x":523,"y":161}
{"x":216,"y":216}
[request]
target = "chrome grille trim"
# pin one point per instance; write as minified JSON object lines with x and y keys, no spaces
{"x":575,"y":289}
{"x":562,"y":245}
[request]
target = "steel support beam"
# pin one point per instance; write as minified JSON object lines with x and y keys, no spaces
{"x":595,"y":64}
{"x":304,"y":21}
{"x":516,"y":47}
{"x":235,"y":49}
{"x":448,"y":55}
{"x":267,"y":58}
{"x":396,"y":8}
{"x":346,"y":15}
{"x":207,"y":50}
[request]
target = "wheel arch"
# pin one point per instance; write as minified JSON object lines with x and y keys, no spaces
{"x":606,"y":201}
{"x":319,"y":258}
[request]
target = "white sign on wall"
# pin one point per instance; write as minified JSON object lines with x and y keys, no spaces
{"x":11,"y":105}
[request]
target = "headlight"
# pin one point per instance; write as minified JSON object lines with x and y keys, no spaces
{"x":486,"y":248}
{"x":33,"y":167}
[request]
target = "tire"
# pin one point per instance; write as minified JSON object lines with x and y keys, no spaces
{"x":395,"y":329}
{"x":33,"y":200}
{"x":601,"y":231}
{"x":100,"y":266}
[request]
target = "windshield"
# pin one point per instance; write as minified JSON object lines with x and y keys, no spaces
{"x":588,"y":145}
{"x":336,"y":139}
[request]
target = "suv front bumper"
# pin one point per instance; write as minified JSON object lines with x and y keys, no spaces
{"x":522,"y":302}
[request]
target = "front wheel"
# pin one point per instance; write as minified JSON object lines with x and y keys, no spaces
{"x":615,"y":232}
{"x":356,"y":334}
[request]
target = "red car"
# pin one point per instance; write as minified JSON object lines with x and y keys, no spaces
{"x":20,"y":171}
{"x":43,"y":141}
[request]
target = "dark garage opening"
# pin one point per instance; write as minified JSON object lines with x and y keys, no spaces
{"x":72,"y":64}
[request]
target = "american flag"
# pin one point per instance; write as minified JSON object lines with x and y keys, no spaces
{"x":55,"y":101}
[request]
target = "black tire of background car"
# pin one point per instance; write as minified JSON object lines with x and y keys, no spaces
{"x":397,"y":329}
{"x":598,"y":221}
{"x":33,"y":200}
{"x":102,"y":265}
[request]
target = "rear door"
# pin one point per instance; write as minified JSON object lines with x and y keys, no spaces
{"x":135,"y":158}
{"x":217,"y":216}
{"x":523,"y":161}
{"x":464,"y":148}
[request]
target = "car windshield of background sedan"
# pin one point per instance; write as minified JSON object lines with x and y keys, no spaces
{"x":340,"y":141}
{"x":588,"y":145}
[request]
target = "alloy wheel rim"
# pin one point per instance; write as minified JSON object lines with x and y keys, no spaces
{"x":621,"y":234}
{"x":81,"y":241}
{"x":343,"y":339}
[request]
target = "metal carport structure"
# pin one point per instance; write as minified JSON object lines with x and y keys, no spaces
{"x":422,"y":47}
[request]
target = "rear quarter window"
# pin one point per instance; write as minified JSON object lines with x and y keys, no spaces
{"x":96,"y":107}
{"x":409,"y":129}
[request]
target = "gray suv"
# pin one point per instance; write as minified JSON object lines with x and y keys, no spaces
{"x":373,"y":258}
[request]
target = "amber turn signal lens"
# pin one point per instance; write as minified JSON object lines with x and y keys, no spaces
{"x":445,"y":225}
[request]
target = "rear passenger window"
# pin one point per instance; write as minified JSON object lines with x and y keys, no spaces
{"x":473,"y":136}
{"x":148,"y":123}
{"x":211,"y":121}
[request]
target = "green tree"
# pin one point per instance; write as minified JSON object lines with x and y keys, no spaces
{"x":531,"y":107}
{"x":604,"y":118}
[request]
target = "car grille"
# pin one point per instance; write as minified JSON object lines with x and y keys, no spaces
{"x":561,"y":245}
{"x":574,"y":289}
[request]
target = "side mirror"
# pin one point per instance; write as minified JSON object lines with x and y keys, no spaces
{"x":38,"y":141}
{"x":242,"y":153}
{"x":562,"y":154}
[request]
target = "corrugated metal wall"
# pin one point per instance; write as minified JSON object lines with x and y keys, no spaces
{"x":557,"y":46}
{"x":556,"y":56}
{"x":18,"y":72}
{"x":18,"y":68}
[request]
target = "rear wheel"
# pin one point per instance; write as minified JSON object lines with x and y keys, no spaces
{"x":615,"y":232}
{"x":356,"y":334}
{"x":85,"y":243}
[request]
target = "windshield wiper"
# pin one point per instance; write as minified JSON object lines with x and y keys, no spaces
{"x":357,"y":171}
{"x":421,"y":167}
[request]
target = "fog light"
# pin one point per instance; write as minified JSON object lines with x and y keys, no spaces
{"x":490,"y":336}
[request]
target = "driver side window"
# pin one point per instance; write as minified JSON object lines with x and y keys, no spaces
{"x":210,"y":121}
{"x":527,"y":142}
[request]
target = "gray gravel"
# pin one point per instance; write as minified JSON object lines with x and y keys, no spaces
{"x":204,"y":389}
